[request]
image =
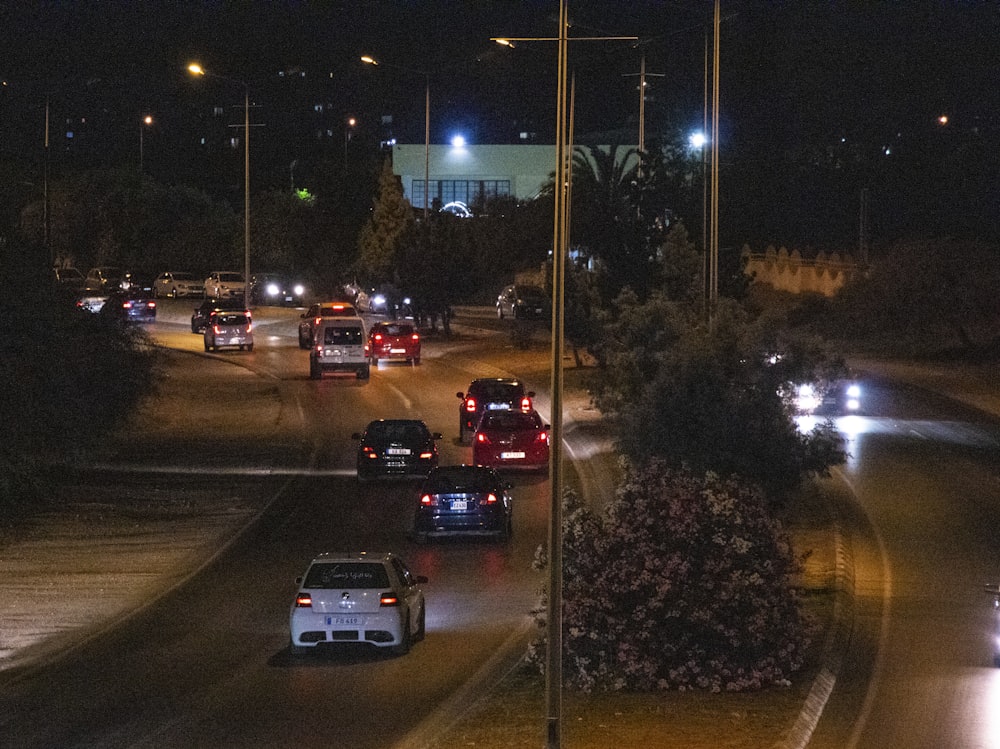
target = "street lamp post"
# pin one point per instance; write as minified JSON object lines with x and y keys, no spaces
{"x":368,"y":59}
{"x":146,"y":122}
{"x":196,"y":69}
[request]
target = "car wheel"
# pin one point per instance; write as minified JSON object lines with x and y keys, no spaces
{"x":249,"y":347}
{"x":421,"y":625}
{"x":416,"y":361}
{"x":242,"y":347}
{"x":404,"y":644}
{"x":364,"y":372}
{"x":461,"y":431}
{"x":303,"y":343}
{"x":207,"y":347}
{"x":315,"y":373}
{"x":499,"y":312}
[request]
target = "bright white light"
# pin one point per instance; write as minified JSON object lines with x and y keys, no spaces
{"x":299,"y":289}
{"x":697,"y":140}
{"x":272,"y":289}
{"x":458,"y":141}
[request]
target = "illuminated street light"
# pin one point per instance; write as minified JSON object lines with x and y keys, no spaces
{"x":143,"y":124}
{"x":348,"y":129}
{"x":369,"y":60}
{"x":697,"y":140}
{"x":196,"y":69}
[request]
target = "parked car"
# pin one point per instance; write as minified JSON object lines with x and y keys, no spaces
{"x":199,"y":318}
{"x":369,"y":598}
{"x":340,"y":345}
{"x":70,"y":278}
{"x":491,"y":394}
{"x":229,"y":329}
{"x":176,"y":283}
{"x":396,"y":447}
{"x":132,"y":305}
{"x":463,"y":500}
{"x":105,"y":278}
{"x":276,"y":290}
{"x":398,"y":341}
{"x":316,"y":313}
{"x":522,"y":302}
{"x":511,"y":439}
{"x":224,"y":284}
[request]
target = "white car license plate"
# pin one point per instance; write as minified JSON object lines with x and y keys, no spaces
{"x":234,"y":340}
{"x":459,"y":504}
{"x":397,"y":351}
{"x":343,"y":621}
{"x":511,"y":455}
{"x":498,"y":407}
{"x":397,"y":451}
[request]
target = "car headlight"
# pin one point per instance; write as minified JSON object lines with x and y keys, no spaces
{"x":299,"y":289}
{"x":273,"y":290}
{"x":378,"y":299}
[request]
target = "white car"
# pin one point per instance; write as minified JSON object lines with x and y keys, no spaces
{"x":222,"y":284}
{"x":369,"y":598}
{"x":230,"y":328}
{"x":175,"y":283}
{"x":340,"y":344}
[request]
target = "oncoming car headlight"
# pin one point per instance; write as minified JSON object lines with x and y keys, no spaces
{"x":853,"y":397}
{"x":273,"y":290}
{"x":805,"y":398}
{"x":299,"y":289}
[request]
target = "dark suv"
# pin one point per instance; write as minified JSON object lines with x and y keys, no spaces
{"x":199,"y":318}
{"x":491,"y":394}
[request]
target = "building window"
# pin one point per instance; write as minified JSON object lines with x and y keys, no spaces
{"x":466,"y":191}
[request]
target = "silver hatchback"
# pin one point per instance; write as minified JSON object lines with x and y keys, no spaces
{"x":226,"y":328}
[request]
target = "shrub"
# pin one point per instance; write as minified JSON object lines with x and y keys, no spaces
{"x":684,"y":584}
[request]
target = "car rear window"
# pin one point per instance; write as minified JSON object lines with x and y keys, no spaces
{"x":342,"y":336}
{"x":459,"y":480}
{"x":496,"y":391}
{"x":404,"y":329}
{"x":397,"y":432}
{"x":231,"y":319}
{"x":346,"y":575}
{"x":513,"y":420}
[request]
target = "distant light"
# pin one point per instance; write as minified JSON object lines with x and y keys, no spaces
{"x":148,"y":120}
{"x":369,"y":59}
{"x":505,"y":42}
{"x":943,"y":119}
{"x":697,"y":140}
{"x":458,"y":141}
{"x":195,"y":69}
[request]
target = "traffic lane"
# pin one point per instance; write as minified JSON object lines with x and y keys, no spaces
{"x":929,"y":487}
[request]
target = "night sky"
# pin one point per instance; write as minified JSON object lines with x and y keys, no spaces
{"x":796,"y":76}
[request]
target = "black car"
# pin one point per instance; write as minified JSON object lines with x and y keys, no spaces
{"x":276,"y":290}
{"x":199,"y":318}
{"x":491,"y":394}
{"x":523,"y":302}
{"x":131,"y":305}
{"x":396,"y":447}
{"x":463,"y":500}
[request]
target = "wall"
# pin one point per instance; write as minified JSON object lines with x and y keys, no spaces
{"x":789,"y":271}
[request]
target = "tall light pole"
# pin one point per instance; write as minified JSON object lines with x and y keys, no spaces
{"x":369,"y":60}
{"x":196,"y":69}
{"x":143,"y":124}
{"x":348,"y":129}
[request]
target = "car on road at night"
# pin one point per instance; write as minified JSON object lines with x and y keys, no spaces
{"x":275,"y":290}
{"x":364,"y":598}
{"x":522,"y":302}
{"x":396,"y":447}
{"x":837,"y":398}
{"x":223,"y":284}
{"x":177,"y":283}
{"x":106,"y":278}
{"x":229,"y":329}
{"x":128,"y":306}
{"x":463,"y":500}
{"x":341,"y":345}
{"x":394,"y":341}
{"x":511,"y":439}
{"x":316,"y":313}
{"x":201,"y":313}
{"x":491,"y":394}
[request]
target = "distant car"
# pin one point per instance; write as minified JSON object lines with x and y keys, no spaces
{"x":229,"y":329}
{"x":367,"y":598}
{"x":175,"y":283}
{"x":397,"y":341}
{"x":522,"y":302}
{"x":276,"y":291}
{"x":837,"y":398}
{"x":105,"y":278}
{"x":316,"y":313}
{"x":396,"y":447}
{"x":224,"y":284}
{"x":70,"y":278}
{"x":132,"y":305}
{"x":341,"y":345}
{"x":511,"y":439}
{"x":199,"y":318}
{"x":463,"y":500}
{"x":491,"y":394}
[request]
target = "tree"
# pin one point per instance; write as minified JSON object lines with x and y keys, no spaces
{"x":388,"y":228}
{"x":684,"y":583}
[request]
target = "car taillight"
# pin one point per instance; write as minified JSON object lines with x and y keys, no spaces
{"x":217,"y":330}
{"x":525,"y":403}
{"x":415,"y":337}
{"x":317,"y":320}
{"x":377,"y":338}
{"x":303,"y":601}
{"x":126,"y":305}
{"x":489,"y":499}
{"x":542,"y":437}
{"x":482,"y":439}
{"x":470,"y":405}
{"x":249,"y":326}
{"x":151,"y":305}
{"x":428,"y":500}
{"x":369,"y":452}
{"x":388,"y":599}
{"x":427,"y":455}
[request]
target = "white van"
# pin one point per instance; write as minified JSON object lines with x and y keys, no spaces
{"x":340,"y":343}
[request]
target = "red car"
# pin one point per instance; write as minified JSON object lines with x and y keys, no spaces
{"x":511,"y":439}
{"x":394,"y":340}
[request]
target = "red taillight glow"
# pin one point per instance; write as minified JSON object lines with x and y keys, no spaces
{"x":542,"y":437}
{"x":377,"y":338}
{"x":427,"y":500}
{"x":426,"y":455}
{"x":470,"y":405}
{"x":151,"y":305}
{"x":217,"y":330}
{"x":489,"y":499}
{"x":317,"y":320}
{"x":249,"y":326}
{"x":388,"y":599}
{"x":415,"y":338}
{"x":525,"y":403}
{"x":303,"y":601}
{"x":482,"y":439}
{"x":126,"y":305}
{"x":369,"y":452}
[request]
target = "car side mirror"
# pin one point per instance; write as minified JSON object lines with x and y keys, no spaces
{"x":298,"y":580}
{"x":461,"y":396}
{"x":531,"y":393}
{"x":546,"y":427}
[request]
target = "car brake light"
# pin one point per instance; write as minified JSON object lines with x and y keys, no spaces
{"x":317,"y":320}
{"x":482,"y":439}
{"x":151,"y":305}
{"x":377,"y":338}
{"x":369,"y":452}
{"x":126,"y":305}
{"x":489,"y":499}
{"x":216,"y":330}
{"x":303,"y":601}
{"x":470,"y":405}
{"x":415,"y":337}
{"x":388,"y":599}
{"x":525,"y":403}
{"x":427,"y":500}
{"x":426,"y":455}
{"x":542,"y":437}
{"x":249,"y":326}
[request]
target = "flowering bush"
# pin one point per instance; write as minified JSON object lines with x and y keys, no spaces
{"x":683,"y":585}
